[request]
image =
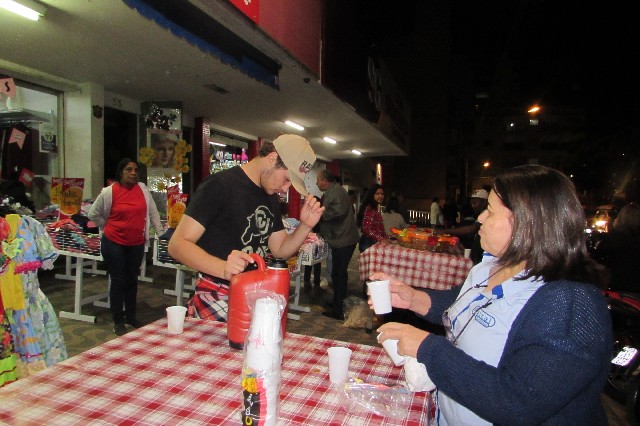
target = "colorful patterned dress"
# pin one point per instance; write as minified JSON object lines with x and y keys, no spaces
{"x":37,"y":336}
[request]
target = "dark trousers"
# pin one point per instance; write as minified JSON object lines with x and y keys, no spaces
{"x":316,"y":274}
{"x":340,"y":258}
{"x":123,"y":266}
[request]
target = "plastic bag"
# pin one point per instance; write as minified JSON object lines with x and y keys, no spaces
{"x":416,"y":375}
{"x":383,"y":399}
{"x":356,"y":312}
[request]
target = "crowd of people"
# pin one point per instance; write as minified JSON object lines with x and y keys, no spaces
{"x":527,"y":334}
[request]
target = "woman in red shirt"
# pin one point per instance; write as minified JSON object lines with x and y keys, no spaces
{"x":124,"y":211}
{"x":370,"y":220}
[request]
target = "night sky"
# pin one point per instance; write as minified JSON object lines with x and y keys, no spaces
{"x":562,"y":52}
{"x":556,"y":53}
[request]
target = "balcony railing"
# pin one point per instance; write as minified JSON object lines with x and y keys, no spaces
{"x":419,"y":218}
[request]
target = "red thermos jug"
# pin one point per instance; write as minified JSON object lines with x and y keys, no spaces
{"x":272,"y":277}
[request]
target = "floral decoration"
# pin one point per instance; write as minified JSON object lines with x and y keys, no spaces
{"x":157,"y":119}
{"x":167,"y":180}
{"x":161,"y":182}
{"x":180,"y":160}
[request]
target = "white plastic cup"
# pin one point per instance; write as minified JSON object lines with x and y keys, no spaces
{"x":339,"y":359}
{"x":391,"y":347}
{"x":175,"y":319}
{"x":380,"y":296}
{"x":467,"y":253}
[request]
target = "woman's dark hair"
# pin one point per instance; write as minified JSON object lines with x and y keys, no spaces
{"x":121,"y":165}
{"x":548,"y":225}
{"x":368,"y":200}
{"x":393,"y":205}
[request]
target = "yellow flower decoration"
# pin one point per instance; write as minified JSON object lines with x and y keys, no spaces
{"x":180,"y":165}
{"x":180,"y":162}
{"x":146,"y":156}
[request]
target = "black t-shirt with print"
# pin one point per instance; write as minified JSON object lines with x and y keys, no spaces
{"x":236,"y":214}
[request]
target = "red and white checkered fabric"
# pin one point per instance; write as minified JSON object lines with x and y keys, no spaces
{"x":418,"y":268}
{"x":150,"y":377}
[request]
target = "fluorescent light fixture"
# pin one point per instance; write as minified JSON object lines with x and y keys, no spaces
{"x":216,"y":143}
{"x":330,"y":140}
{"x":26,"y":8}
{"x":294,"y":125}
{"x":356,"y":152}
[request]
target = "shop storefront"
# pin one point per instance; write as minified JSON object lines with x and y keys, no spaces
{"x":31,"y":136}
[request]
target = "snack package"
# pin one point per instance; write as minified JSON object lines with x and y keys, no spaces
{"x":71,"y":198}
{"x":177,"y":207}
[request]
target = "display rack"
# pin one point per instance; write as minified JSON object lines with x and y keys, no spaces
{"x":162,"y":258}
{"x":83,"y":247}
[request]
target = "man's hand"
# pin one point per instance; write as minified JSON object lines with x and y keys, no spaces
{"x":311,"y":211}
{"x":237,"y":262}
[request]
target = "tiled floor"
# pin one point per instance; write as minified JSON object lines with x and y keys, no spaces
{"x":81,"y":336}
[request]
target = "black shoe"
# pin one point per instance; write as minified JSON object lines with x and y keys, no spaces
{"x":329,"y":305}
{"x":306,"y":288}
{"x":133,"y":323}
{"x":119,"y":329}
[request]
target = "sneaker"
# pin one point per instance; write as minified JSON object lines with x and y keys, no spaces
{"x":133,"y":323}
{"x":119,"y":329}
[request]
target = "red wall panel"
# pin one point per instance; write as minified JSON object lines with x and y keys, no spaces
{"x":297,"y":26}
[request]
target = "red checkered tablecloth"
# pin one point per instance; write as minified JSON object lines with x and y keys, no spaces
{"x":151,"y":377}
{"x":418,"y":268}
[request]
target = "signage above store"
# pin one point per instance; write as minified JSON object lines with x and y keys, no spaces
{"x":251,"y":8}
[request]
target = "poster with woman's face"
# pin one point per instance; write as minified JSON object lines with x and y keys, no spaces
{"x":163,"y":143}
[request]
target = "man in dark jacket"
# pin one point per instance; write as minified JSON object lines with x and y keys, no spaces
{"x":338,"y":227}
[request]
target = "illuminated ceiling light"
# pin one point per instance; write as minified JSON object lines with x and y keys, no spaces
{"x":216,"y":143}
{"x":534,"y":109}
{"x":26,"y":8}
{"x":328,"y":139}
{"x":294,"y":125}
{"x":356,"y":152}
{"x":486,"y":164}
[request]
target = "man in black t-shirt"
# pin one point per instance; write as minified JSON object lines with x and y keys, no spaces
{"x":468,"y":231}
{"x":236,"y":212}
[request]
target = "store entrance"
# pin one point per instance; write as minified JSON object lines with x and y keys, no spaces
{"x":120,"y":139}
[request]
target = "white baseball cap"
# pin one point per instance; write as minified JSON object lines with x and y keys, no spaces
{"x":480,"y":193}
{"x":297,"y":155}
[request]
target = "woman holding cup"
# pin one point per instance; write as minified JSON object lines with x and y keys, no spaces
{"x":528,"y":337}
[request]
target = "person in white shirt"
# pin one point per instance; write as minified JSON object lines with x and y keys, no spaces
{"x":391,"y":218}
{"x":435,"y":217}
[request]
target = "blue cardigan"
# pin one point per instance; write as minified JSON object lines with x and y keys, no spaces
{"x":552,"y":370}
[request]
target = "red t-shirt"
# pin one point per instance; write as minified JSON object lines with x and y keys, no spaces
{"x":128,"y":217}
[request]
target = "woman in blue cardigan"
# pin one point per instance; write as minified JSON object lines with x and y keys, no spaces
{"x":528,"y":335}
